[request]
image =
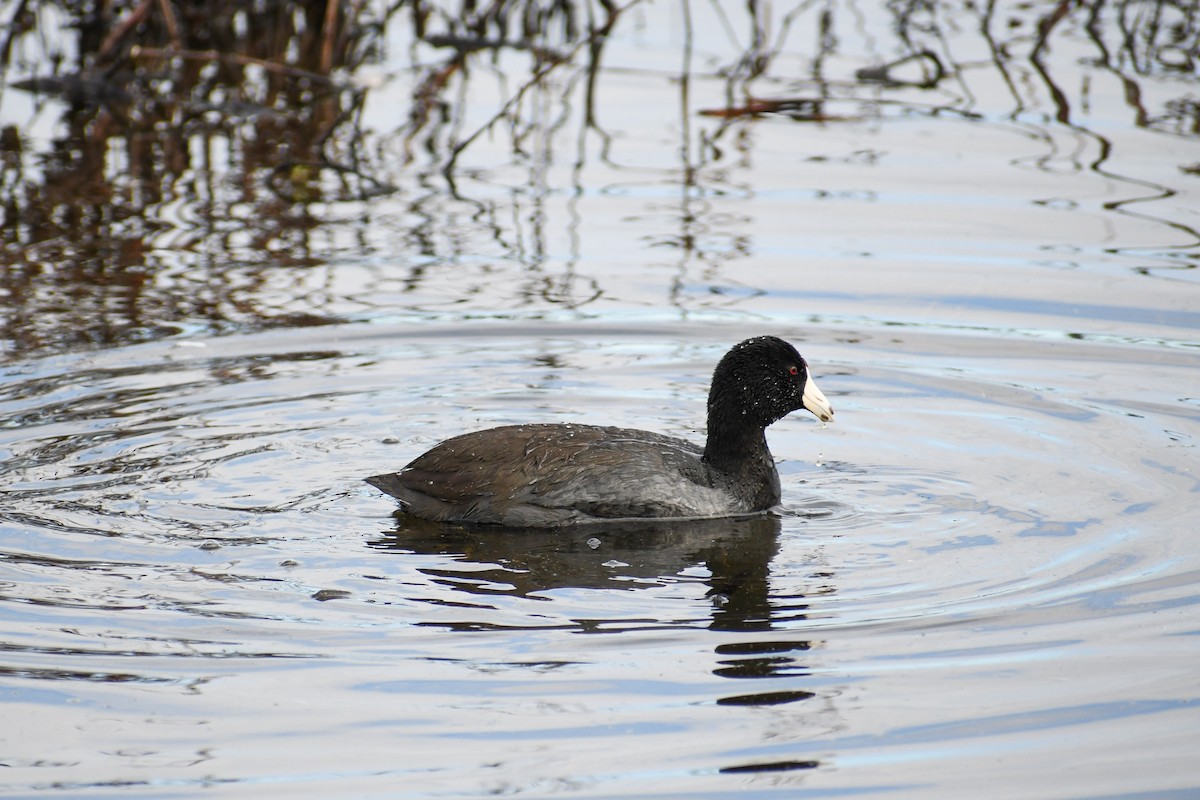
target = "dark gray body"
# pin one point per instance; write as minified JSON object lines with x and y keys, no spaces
{"x":546,"y":475}
{"x":540,"y":476}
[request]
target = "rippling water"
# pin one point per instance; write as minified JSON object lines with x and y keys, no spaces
{"x":979,"y":564}
{"x":983,"y":578}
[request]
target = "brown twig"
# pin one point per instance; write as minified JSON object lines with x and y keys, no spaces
{"x":327,"y":36}
{"x":118,"y":33}
{"x":804,"y":109}
{"x":164,"y":7}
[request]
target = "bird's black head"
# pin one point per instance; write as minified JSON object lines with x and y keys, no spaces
{"x":762,"y":380}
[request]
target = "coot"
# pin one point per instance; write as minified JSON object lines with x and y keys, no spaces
{"x":550,"y":475}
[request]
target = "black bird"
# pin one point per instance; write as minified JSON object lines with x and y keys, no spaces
{"x":551,"y":475}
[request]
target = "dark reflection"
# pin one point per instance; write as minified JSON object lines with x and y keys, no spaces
{"x":770,"y":659}
{"x":81,"y":675}
{"x":192,"y":135}
{"x":736,"y":552}
{"x":773,"y":766}
{"x":765,"y":698}
{"x":203,"y":149}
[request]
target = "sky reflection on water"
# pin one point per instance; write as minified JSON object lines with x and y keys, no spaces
{"x":231,"y":290}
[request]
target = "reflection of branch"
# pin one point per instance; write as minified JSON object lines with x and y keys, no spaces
{"x":1045,"y":26}
{"x":1133,"y":93}
{"x":470,"y":44}
{"x":801,"y":109}
{"x":13,"y":30}
{"x":135,"y":18}
{"x":1047,"y":23}
{"x":228,"y":58}
{"x":883,"y":73}
{"x":299,"y":173}
{"x":826,"y":44}
{"x":327,"y":36}
{"x":999,"y":56}
{"x":599,"y":35}
{"x":425,"y":98}
{"x":541,"y":73}
{"x":164,"y":6}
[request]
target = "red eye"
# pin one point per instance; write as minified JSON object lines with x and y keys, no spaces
{"x":794,"y":371}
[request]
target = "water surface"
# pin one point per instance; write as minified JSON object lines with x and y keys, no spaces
{"x":982,"y":579}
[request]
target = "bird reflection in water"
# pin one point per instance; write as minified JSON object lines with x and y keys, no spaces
{"x":737,"y":553}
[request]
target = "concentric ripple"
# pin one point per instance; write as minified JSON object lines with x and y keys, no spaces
{"x":981,"y":554}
